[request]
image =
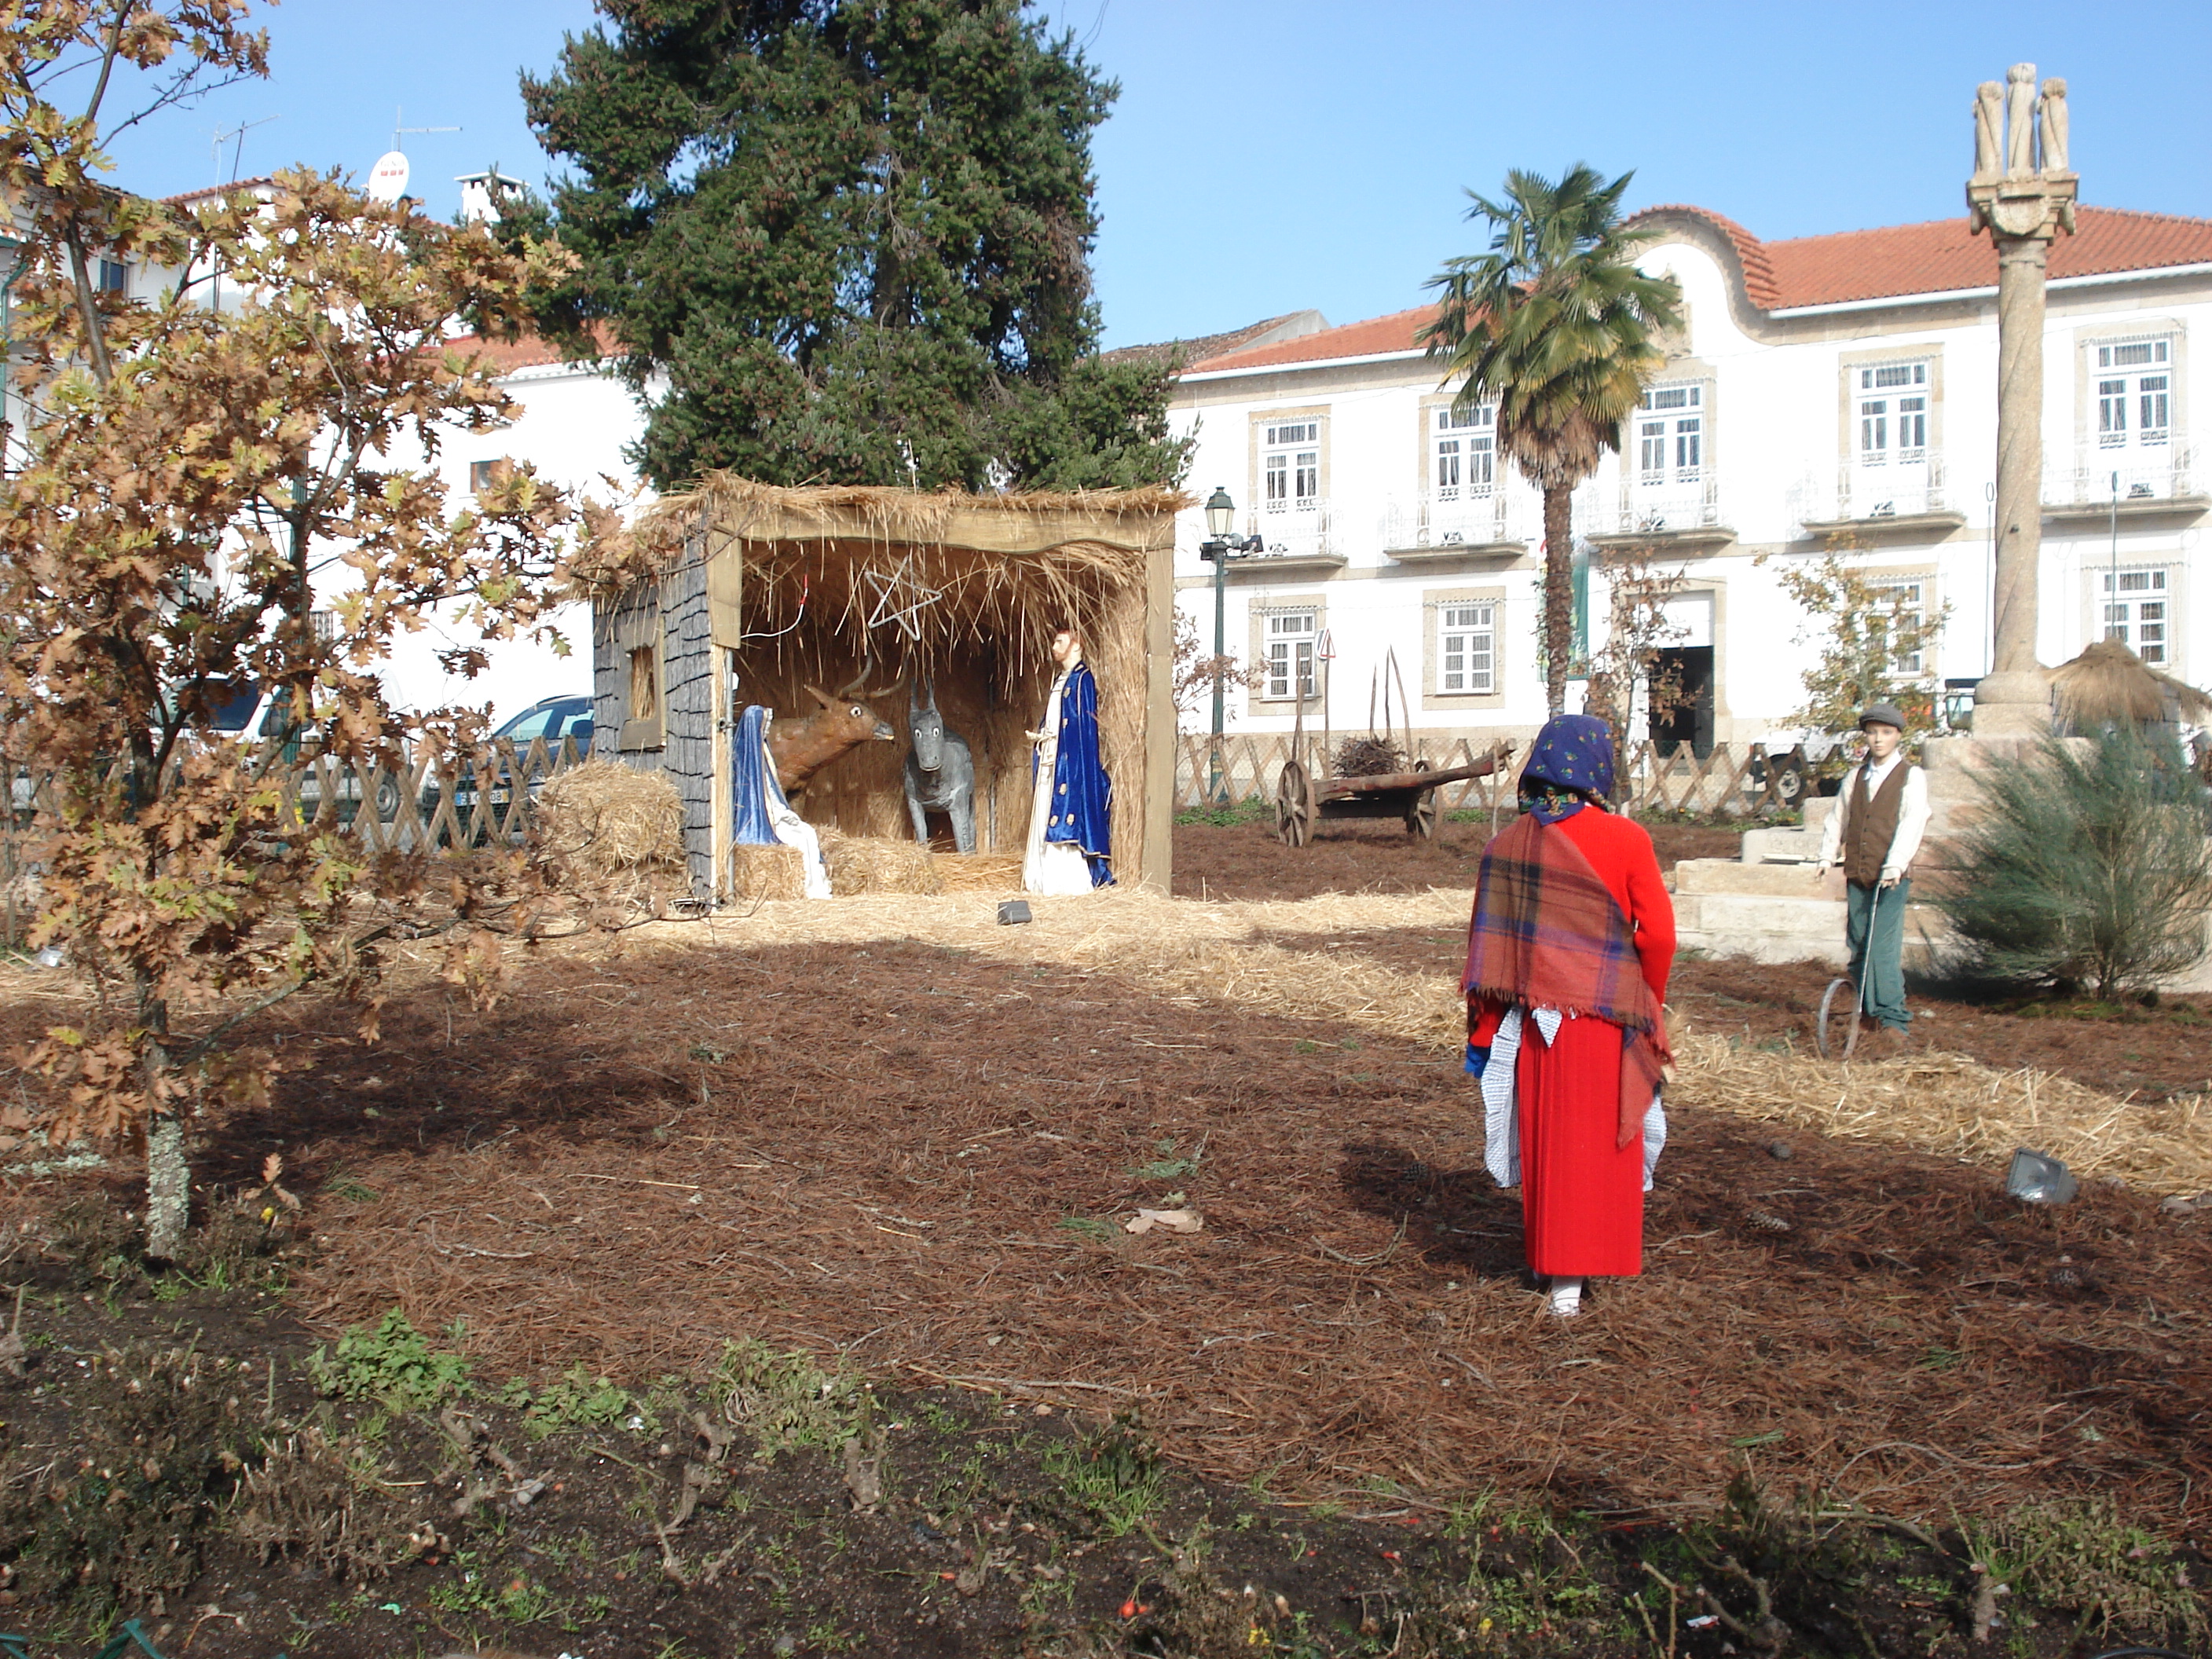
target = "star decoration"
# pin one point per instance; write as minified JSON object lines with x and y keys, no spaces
{"x":900,"y":598}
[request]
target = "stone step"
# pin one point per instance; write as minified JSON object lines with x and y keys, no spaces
{"x":1772,"y":880}
{"x":1769,"y":928}
{"x":1781,"y":845}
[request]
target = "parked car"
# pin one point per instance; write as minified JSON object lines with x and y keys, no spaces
{"x":242,"y":709}
{"x":553,"y":719}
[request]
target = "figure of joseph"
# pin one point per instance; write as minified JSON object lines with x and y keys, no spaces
{"x":1071,"y":798}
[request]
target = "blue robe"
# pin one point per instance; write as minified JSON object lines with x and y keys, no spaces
{"x":755,"y":794}
{"x":1082,"y":793}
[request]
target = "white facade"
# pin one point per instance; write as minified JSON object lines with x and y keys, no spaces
{"x":1836,"y":392}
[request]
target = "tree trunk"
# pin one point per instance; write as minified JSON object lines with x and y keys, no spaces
{"x":168,"y":1188}
{"x":1558,"y":594}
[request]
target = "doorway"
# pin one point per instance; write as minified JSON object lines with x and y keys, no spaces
{"x":1681,"y":689}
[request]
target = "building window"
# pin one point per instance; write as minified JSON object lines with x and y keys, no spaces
{"x":1467,"y":649}
{"x":1290,"y":638}
{"x":485,"y":475}
{"x":326,"y":625}
{"x":644,"y":683}
{"x":1892,"y":405}
{"x":2136,"y":613}
{"x":2135,"y":384}
{"x":114,"y":276}
{"x":1670,"y":434}
{"x":1289,"y":466}
{"x":1905,"y":607}
{"x":1465,"y":453}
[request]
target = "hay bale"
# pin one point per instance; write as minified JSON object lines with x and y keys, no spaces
{"x":766,"y":872}
{"x":875,"y":864}
{"x":603,"y":820}
{"x":978,"y":872}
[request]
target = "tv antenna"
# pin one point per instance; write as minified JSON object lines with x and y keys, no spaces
{"x":387,"y":180}
{"x":238,"y":150}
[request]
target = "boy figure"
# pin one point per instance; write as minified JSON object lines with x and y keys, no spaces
{"x":1874,"y":832}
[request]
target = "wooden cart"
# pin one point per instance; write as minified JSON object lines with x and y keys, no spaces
{"x":1303,"y":800}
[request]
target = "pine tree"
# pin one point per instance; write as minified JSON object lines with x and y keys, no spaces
{"x":844,"y":242}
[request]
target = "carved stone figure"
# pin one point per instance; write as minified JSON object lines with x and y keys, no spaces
{"x":2019,"y":122}
{"x":1989,"y":130}
{"x":2054,"y":125}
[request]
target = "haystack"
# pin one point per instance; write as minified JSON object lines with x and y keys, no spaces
{"x":871,"y":864}
{"x":766,"y":872}
{"x":2109,"y":685}
{"x":978,"y":872}
{"x":601,"y":821}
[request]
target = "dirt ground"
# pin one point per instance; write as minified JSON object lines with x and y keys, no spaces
{"x":913,"y":1160}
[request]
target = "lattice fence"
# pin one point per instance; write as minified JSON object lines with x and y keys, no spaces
{"x":1729,"y":783}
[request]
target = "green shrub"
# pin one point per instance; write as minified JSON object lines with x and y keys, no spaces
{"x":2090,"y":867}
{"x":394,"y":1364}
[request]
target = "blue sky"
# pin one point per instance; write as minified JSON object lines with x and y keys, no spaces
{"x":1265,"y":157}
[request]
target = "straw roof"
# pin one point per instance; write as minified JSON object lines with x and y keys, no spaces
{"x":2108,"y":684}
{"x":753,"y":512}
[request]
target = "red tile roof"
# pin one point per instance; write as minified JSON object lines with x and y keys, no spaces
{"x":186,"y":197}
{"x":1373,"y":338}
{"x":1938,"y":258}
{"x":530,"y":351}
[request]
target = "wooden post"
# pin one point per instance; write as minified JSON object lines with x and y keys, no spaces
{"x":1155,"y":827}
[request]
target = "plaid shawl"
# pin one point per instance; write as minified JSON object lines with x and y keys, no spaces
{"x":1548,"y":933}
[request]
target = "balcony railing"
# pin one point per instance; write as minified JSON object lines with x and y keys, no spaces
{"x":2094,"y":477}
{"x":1869,"y":495}
{"x":1665,"y":509}
{"x":1297,"y":526}
{"x":1465,"y":517}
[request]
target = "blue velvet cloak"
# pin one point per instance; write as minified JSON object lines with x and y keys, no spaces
{"x":1082,"y":793}
{"x":754,"y":792}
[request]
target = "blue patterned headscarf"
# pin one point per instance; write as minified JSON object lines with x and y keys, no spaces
{"x":1570,"y":759}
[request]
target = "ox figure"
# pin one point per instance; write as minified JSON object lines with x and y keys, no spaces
{"x":801,"y":748}
{"x":940,"y":772}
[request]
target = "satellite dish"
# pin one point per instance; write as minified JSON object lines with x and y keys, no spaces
{"x":387,"y":180}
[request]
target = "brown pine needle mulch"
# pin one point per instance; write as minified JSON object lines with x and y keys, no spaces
{"x":917,"y":1154}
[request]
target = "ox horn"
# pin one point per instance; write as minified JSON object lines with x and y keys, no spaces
{"x":853,"y":688}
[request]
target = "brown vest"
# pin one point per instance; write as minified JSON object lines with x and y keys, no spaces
{"x":1871,"y":825}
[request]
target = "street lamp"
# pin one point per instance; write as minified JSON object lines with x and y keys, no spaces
{"x":1218,"y":548}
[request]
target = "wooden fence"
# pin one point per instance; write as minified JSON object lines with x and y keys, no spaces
{"x":1729,"y":783}
{"x":424,"y":801}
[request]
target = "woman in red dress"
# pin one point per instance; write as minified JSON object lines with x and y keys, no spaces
{"x":1568,"y":955}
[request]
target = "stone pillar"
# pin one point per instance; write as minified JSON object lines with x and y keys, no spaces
{"x":2024,"y":201}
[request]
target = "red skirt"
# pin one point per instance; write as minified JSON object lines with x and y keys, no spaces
{"x":1582,"y":1197}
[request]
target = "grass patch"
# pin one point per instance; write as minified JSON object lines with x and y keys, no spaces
{"x":394,"y":1365}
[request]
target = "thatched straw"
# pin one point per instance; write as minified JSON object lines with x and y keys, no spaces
{"x":2109,"y":685}
{"x":979,"y":872}
{"x":874,"y":864}
{"x":766,"y":872}
{"x":604,"y":819}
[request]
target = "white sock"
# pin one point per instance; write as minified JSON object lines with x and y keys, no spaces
{"x":1566,"y":1297}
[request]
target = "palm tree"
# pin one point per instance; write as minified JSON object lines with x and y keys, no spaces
{"x":1556,"y":326}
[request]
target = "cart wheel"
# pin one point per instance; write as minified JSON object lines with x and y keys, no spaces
{"x":1294,"y":806}
{"x":1421,"y":816}
{"x":1838,"y":1032}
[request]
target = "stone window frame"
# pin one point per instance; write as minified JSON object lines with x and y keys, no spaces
{"x":1680,"y":371}
{"x":1257,"y":701}
{"x":1434,"y":698}
{"x":2089,"y":336}
{"x":2175,"y":565}
{"x":1258,"y":422}
{"x":1848,"y":366}
{"x":1927,"y":574}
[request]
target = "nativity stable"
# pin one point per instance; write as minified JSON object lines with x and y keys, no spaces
{"x":856,"y":614}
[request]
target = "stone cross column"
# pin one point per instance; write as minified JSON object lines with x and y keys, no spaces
{"x":2022,"y":193}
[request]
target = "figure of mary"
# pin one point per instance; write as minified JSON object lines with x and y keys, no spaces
{"x":1070,"y":798}
{"x":1567,"y":959}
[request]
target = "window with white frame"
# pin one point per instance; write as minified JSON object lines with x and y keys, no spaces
{"x":2135,"y":393}
{"x":2136,"y":613}
{"x":1291,"y":639}
{"x":1289,"y":466}
{"x":1466,"y":648}
{"x":1903,"y":609}
{"x":1670,"y":434}
{"x":1464,"y":453}
{"x":113,"y":276}
{"x":1892,"y":411}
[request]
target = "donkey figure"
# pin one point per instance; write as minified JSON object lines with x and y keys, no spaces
{"x":940,"y":772}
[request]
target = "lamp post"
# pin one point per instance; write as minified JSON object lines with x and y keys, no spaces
{"x":1218,"y":548}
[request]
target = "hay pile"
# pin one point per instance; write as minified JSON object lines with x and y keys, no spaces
{"x":877,"y":864}
{"x":979,"y":872}
{"x":2109,"y":685}
{"x":604,"y":825}
{"x":1367,"y":757}
{"x":766,"y":872}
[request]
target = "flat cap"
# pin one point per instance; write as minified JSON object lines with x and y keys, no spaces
{"x":1882,"y":713}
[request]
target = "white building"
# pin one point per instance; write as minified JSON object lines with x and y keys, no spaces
{"x":1833,"y":391}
